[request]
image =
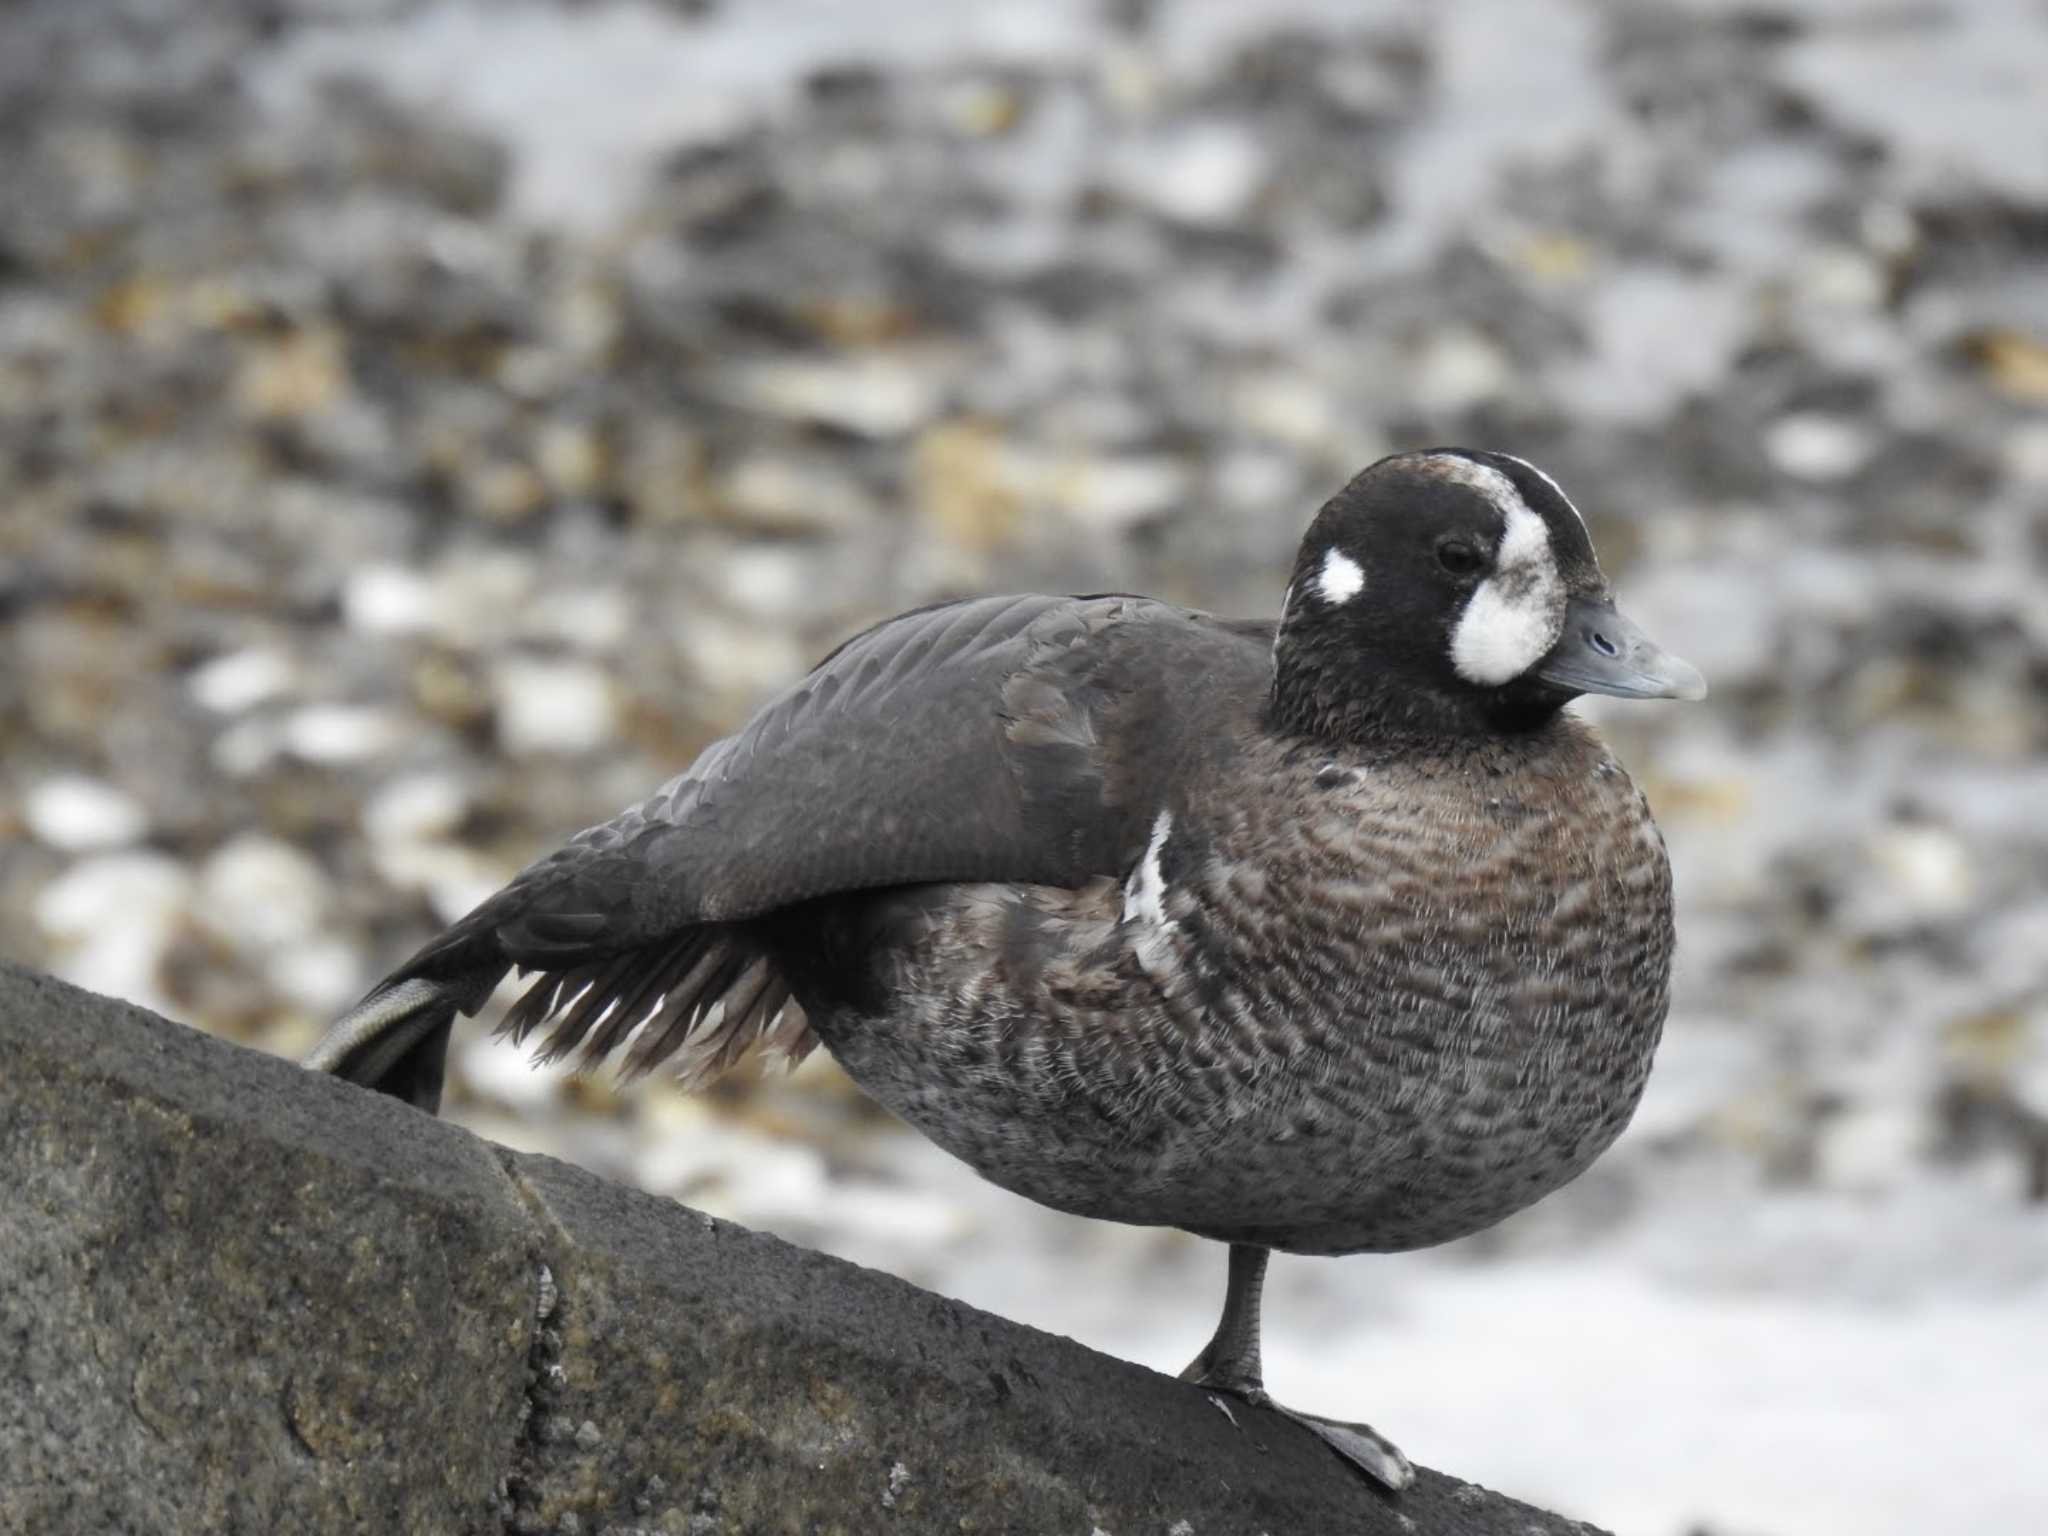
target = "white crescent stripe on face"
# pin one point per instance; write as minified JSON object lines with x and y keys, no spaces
{"x":1340,"y":579}
{"x":1483,"y":478}
{"x":1280,"y":624}
{"x":1540,"y":475}
{"x":1513,"y":617}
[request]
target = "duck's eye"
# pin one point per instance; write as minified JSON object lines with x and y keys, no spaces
{"x":1458,"y":557}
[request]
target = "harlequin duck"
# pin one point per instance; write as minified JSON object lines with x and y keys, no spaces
{"x":1328,"y":934}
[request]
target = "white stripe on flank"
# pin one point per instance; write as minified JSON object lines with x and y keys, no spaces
{"x":1145,"y":905}
{"x":1145,"y":892}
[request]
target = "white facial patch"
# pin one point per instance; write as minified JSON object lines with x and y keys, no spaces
{"x":1340,"y":579}
{"x":1514,"y":616}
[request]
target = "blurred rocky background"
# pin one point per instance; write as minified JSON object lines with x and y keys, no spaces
{"x":424,"y":424}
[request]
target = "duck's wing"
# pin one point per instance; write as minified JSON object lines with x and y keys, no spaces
{"x":1019,"y":739}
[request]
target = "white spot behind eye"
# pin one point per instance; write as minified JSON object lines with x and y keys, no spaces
{"x":1513,"y":617}
{"x":1340,"y":579}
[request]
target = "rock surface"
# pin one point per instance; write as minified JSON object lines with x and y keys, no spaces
{"x":238,"y":1297}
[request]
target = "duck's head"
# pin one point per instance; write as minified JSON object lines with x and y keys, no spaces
{"x":1454,"y":590}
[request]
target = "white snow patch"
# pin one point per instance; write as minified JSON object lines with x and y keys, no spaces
{"x":1590,"y":1389}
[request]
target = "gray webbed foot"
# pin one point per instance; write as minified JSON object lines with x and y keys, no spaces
{"x":1360,"y":1444}
{"x":1230,"y":1363}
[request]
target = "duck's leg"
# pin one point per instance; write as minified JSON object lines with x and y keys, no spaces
{"x":1230,"y":1363}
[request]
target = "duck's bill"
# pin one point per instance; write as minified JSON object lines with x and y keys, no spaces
{"x":1601,"y":651}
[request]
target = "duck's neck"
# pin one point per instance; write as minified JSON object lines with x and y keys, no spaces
{"x":1372,"y":707}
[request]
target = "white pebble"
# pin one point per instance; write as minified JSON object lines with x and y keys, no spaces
{"x":258,"y":893}
{"x":82,"y":815}
{"x":500,"y":1069}
{"x":1815,"y":446}
{"x":340,"y":733}
{"x":322,"y":976}
{"x":1928,"y":870}
{"x":1458,"y":369}
{"x":416,"y":808}
{"x":1289,"y":406}
{"x":553,"y":706}
{"x":2025,"y":452}
{"x":146,"y":889}
{"x":594,"y":619}
{"x":454,"y":879}
{"x":112,"y":917}
{"x":766,"y":581}
{"x":1872,"y":1148}
{"x":247,"y":747}
{"x":1116,"y":493}
{"x":389,"y":600}
{"x":241,"y":680}
{"x":873,"y":396}
{"x":480,"y":595}
{"x":1206,"y":174}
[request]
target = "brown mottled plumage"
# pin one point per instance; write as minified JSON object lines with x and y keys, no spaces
{"x":1354,"y":1028}
{"x":1328,"y":935}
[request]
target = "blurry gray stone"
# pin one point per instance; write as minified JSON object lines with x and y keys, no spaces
{"x":237,"y":1296}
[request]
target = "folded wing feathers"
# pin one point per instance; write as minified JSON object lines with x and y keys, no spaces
{"x":703,"y":1003}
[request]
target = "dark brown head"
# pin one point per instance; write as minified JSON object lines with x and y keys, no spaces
{"x":1454,"y":590}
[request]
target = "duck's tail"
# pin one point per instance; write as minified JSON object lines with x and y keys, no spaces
{"x":396,"y":1039}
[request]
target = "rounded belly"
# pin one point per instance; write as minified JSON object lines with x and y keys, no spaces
{"x":1143,"y":1080}
{"x":1285,"y":1165}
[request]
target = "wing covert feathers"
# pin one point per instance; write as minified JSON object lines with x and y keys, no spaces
{"x":1014,"y":739}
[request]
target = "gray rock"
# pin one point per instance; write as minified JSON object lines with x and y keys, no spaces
{"x":235,"y":1296}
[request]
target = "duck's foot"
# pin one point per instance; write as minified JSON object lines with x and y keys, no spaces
{"x":1229,"y":1362}
{"x":1360,"y":1444}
